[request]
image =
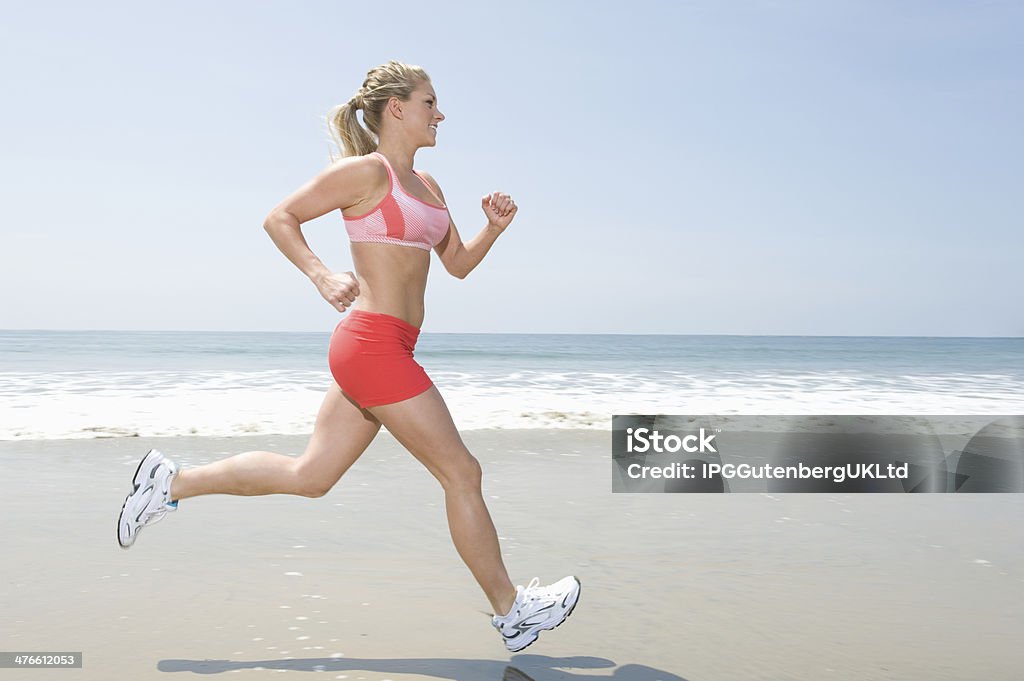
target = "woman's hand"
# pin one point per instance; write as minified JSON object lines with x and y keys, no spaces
{"x":499,"y":209}
{"x":339,"y":289}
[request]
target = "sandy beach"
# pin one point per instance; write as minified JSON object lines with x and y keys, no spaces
{"x":364,"y":583}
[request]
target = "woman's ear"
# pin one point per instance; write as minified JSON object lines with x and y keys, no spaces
{"x":395,"y":107}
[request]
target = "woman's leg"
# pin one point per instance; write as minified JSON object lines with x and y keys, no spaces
{"x":341,"y":434}
{"x":424,"y":426}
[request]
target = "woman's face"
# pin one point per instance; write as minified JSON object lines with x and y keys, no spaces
{"x":421,"y":114}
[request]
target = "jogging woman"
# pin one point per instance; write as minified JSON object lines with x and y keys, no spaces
{"x":394,"y":216}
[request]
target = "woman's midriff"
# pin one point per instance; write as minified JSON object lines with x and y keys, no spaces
{"x":392,"y":280}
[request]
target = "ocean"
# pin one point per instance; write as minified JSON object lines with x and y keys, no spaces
{"x":88,"y":384}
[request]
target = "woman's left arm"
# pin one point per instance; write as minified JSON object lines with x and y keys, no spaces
{"x":462,"y":258}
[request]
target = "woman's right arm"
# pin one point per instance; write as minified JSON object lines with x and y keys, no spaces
{"x":343,"y":184}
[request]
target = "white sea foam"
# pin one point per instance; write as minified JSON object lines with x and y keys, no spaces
{"x":89,"y":404}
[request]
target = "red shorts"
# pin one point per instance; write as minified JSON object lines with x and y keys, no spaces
{"x":371,"y":359}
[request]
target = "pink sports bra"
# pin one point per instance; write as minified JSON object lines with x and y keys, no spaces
{"x":400,"y":218}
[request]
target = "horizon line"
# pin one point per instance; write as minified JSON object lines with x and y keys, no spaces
{"x":524,"y":333}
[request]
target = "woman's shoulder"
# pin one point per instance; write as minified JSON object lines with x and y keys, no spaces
{"x":367,"y":168}
{"x":371,"y":160}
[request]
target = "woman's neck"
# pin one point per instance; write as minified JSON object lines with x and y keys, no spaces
{"x":399,"y":156}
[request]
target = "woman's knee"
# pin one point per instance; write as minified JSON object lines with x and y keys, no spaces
{"x":313,"y":489}
{"x":307,"y":482}
{"x":465,"y":475}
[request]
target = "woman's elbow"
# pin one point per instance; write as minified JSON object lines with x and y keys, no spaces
{"x":456,"y":271}
{"x":276,"y":219}
{"x":455,"y":263}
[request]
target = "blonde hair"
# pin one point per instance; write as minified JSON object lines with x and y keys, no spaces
{"x":383,"y":82}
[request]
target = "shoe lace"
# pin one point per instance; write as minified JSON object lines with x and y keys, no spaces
{"x":534,"y":592}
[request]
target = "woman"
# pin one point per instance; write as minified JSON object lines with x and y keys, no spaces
{"x":394,"y":216}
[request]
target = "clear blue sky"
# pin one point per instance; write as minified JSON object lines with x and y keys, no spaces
{"x":837,"y":168}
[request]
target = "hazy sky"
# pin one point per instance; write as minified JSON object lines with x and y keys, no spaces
{"x":818,"y":168}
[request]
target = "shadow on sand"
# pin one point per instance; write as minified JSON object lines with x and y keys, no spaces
{"x":521,"y":668}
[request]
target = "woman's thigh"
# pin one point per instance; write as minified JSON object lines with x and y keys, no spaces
{"x":342,"y":433}
{"x":424,"y":426}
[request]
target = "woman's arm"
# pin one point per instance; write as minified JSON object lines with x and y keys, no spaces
{"x":341,"y":185}
{"x":462,"y":258}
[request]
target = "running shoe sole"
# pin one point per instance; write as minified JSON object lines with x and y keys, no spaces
{"x":137,"y":481}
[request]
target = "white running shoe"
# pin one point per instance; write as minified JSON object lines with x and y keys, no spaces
{"x":150,"y":499}
{"x":536,"y":609}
